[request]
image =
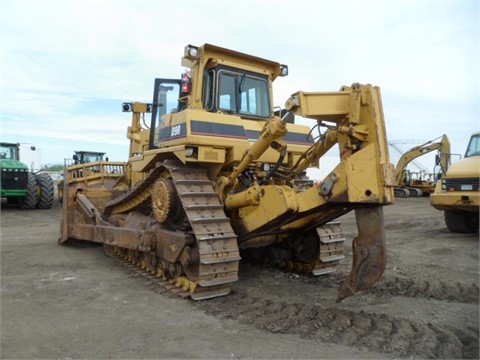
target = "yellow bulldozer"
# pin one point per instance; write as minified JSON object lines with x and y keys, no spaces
{"x":219,"y":175}
{"x":79,"y":157}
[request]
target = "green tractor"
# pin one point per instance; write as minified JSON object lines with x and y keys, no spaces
{"x":21,"y":187}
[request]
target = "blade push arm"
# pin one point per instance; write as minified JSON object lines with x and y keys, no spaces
{"x":354,"y":120}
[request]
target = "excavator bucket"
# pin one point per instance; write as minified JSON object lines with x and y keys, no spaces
{"x":369,"y":252}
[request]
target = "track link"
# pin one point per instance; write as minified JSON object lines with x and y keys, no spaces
{"x":215,"y":246}
{"x":154,"y":277}
{"x":329,"y":253}
{"x":216,"y":241}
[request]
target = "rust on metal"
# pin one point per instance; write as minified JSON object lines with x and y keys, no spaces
{"x":369,"y":252}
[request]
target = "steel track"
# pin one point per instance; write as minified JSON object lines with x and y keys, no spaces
{"x":215,"y":241}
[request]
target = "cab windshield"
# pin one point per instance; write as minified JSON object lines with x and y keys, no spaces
{"x":473,"y":148}
{"x":237,"y":93}
{"x":9,"y":152}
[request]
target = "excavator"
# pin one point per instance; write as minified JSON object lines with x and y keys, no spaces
{"x":218,"y":175}
{"x":415,"y":185}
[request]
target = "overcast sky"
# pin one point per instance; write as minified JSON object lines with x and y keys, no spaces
{"x":66,"y":66}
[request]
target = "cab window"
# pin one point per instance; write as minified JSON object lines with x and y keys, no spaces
{"x":236,"y":92}
{"x":473,"y":146}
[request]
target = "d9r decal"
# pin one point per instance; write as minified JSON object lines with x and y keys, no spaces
{"x":175,"y":131}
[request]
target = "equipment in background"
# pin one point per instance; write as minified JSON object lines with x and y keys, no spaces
{"x":421,"y":184}
{"x":19,"y":185}
{"x":457,"y":193}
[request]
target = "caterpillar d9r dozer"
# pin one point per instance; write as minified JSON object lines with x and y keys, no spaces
{"x":218,"y":175}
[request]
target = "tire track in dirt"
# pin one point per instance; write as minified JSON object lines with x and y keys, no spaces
{"x":396,"y":335}
{"x":438,"y":290}
{"x":393,"y":335}
{"x":416,"y":288}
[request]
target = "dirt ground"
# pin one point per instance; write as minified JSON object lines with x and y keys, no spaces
{"x":75,"y":303}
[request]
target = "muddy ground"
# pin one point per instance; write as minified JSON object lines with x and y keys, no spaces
{"x":74,"y":302}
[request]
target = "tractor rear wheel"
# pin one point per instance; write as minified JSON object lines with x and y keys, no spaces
{"x":46,"y":191}
{"x":31,"y":198}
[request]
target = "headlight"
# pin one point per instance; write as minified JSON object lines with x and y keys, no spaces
{"x":126,"y":107}
{"x":189,"y":151}
{"x":191,"y":51}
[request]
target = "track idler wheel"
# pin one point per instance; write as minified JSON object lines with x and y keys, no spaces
{"x":165,"y":202}
{"x":369,"y":252}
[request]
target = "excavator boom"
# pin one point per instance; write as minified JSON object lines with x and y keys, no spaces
{"x":405,"y":185}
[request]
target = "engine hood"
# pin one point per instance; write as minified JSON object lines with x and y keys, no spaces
{"x":12,"y":164}
{"x":465,"y":168}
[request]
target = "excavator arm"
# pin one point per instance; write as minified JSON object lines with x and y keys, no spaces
{"x":443,"y":147}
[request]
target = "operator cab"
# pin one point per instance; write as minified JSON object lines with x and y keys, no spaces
{"x":473,"y":148}
{"x":220,"y":81}
{"x":9,"y":151}
{"x":225,"y":89}
{"x":236,"y":92}
{"x":85,"y":157}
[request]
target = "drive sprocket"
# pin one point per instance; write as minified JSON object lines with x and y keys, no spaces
{"x":166,"y":205}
